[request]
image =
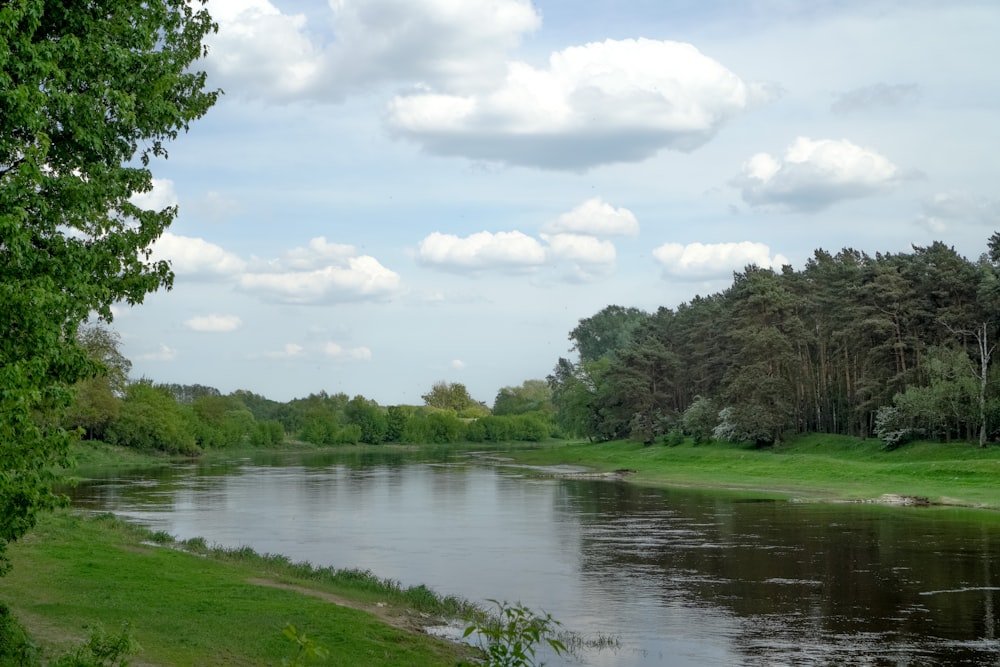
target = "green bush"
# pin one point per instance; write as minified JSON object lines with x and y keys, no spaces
{"x":15,"y":646}
{"x":150,"y":418}
{"x":509,"y":636}
{"x":102,"y":650}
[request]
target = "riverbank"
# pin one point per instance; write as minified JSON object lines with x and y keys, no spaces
{"x":814,"y":467}
{"x":202,"y":606}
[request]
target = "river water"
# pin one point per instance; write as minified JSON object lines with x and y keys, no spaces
{"x":678,"y":577}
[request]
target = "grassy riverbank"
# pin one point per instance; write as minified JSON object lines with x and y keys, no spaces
{"x":211,"y":607}
{"x":817,"y":467}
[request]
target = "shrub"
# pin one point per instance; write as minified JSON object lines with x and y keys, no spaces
{"x":890,"y":429}
{"x":102,"y":650}
{"x":509,"y":636}
{"x":15,"y":647}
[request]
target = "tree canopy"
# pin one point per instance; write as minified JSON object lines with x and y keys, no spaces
{"x":895,"y":344}
{"x":452,"y":396}
{"x":90,"y":94}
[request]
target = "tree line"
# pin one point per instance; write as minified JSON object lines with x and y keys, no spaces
{"x":188,"y":419}
{"x":895,"y":345}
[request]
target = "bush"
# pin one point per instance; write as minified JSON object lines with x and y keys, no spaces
{"x":700,"y":419}
{"x":267,"y":434}
{"x":150,"y":418}
{"x":890,"y":429}
{"x":674,"y":437}
{"x":15,"y":647}
{"x":509,"y":636}
{"x":102,"y":650}
{"x":529,"y":427}
{"x":439,"y":427}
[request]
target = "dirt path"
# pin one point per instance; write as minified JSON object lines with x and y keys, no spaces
{"x":404,"y":619}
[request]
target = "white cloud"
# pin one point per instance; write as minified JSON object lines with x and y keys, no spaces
{"x":515,"y":252}
{"x":261,"y":51}
{"x":595,"y":217}
{"x":580,"y":248}
{"x":700,"y":261}
{"x":317,"y":253}
{"x":163,"y":353}
{"x":339,"y":353}
{"x":214,"y":323}
{"x":591,"y":257}
{"x":158,"y":198}
{"x":320,"y":272}
{"x":357,"y":279}
{"x":195,"y":257}
{"x":947,"y":210}
{"x":510,"y":251}
{"x":457,"y":364}
{"x":813,"y":175}
{"x":603,"y":102}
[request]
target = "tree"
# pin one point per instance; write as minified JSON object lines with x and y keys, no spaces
{"x":97,"y":400}
{"x":151,"y":419}
{"x":576,"y":394}
{"x":606,"y":332}
{"x":641,"y":382}
{"x":370,"y":418}
{"x":449,"y":396}
{"x":90,"y":93}
{"x":218,"y":421}
{"x":763,"y":328}
{"x":531,"y":396}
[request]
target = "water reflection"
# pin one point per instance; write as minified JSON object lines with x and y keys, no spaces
{"x":800,"y":583}
{"x":683,"y":578}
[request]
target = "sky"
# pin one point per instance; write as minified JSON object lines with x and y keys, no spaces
{"x":392,"y":193}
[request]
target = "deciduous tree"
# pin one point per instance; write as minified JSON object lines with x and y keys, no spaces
{"x":90,"y":94}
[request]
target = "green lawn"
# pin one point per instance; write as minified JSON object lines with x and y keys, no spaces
{"x":71,"y":574}
{"x":814,"y":467}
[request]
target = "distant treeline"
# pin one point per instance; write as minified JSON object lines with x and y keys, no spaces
{"x":897,"y":345}
{"x":188,"y":419}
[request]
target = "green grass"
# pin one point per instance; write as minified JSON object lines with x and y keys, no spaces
{"x":73,"y":574}
{"x":93,"y":455}
{"x":812,"y":467}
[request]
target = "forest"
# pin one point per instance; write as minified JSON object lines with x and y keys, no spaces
{"x":893,"y":346}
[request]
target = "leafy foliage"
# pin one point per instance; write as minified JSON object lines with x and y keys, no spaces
{"x":825,"y":350}
{"x":510,"y":635}
{"x":151,"y":419}
{"x":16,"y":648}
{"x":306,"y":650}
{"x":606,"y":332}
{"x":455,"y":397}
{"x":531,"y":396}
{"x":90,"y":93}
{"x":97,"y":400}
{"x":102,"y":650}
{"x":700,"y":419}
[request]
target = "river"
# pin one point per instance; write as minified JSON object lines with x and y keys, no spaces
{"x":679,"y":577}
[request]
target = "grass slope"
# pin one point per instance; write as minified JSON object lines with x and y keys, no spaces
{"x":72,"y":574}
{"x":815,"y":467}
